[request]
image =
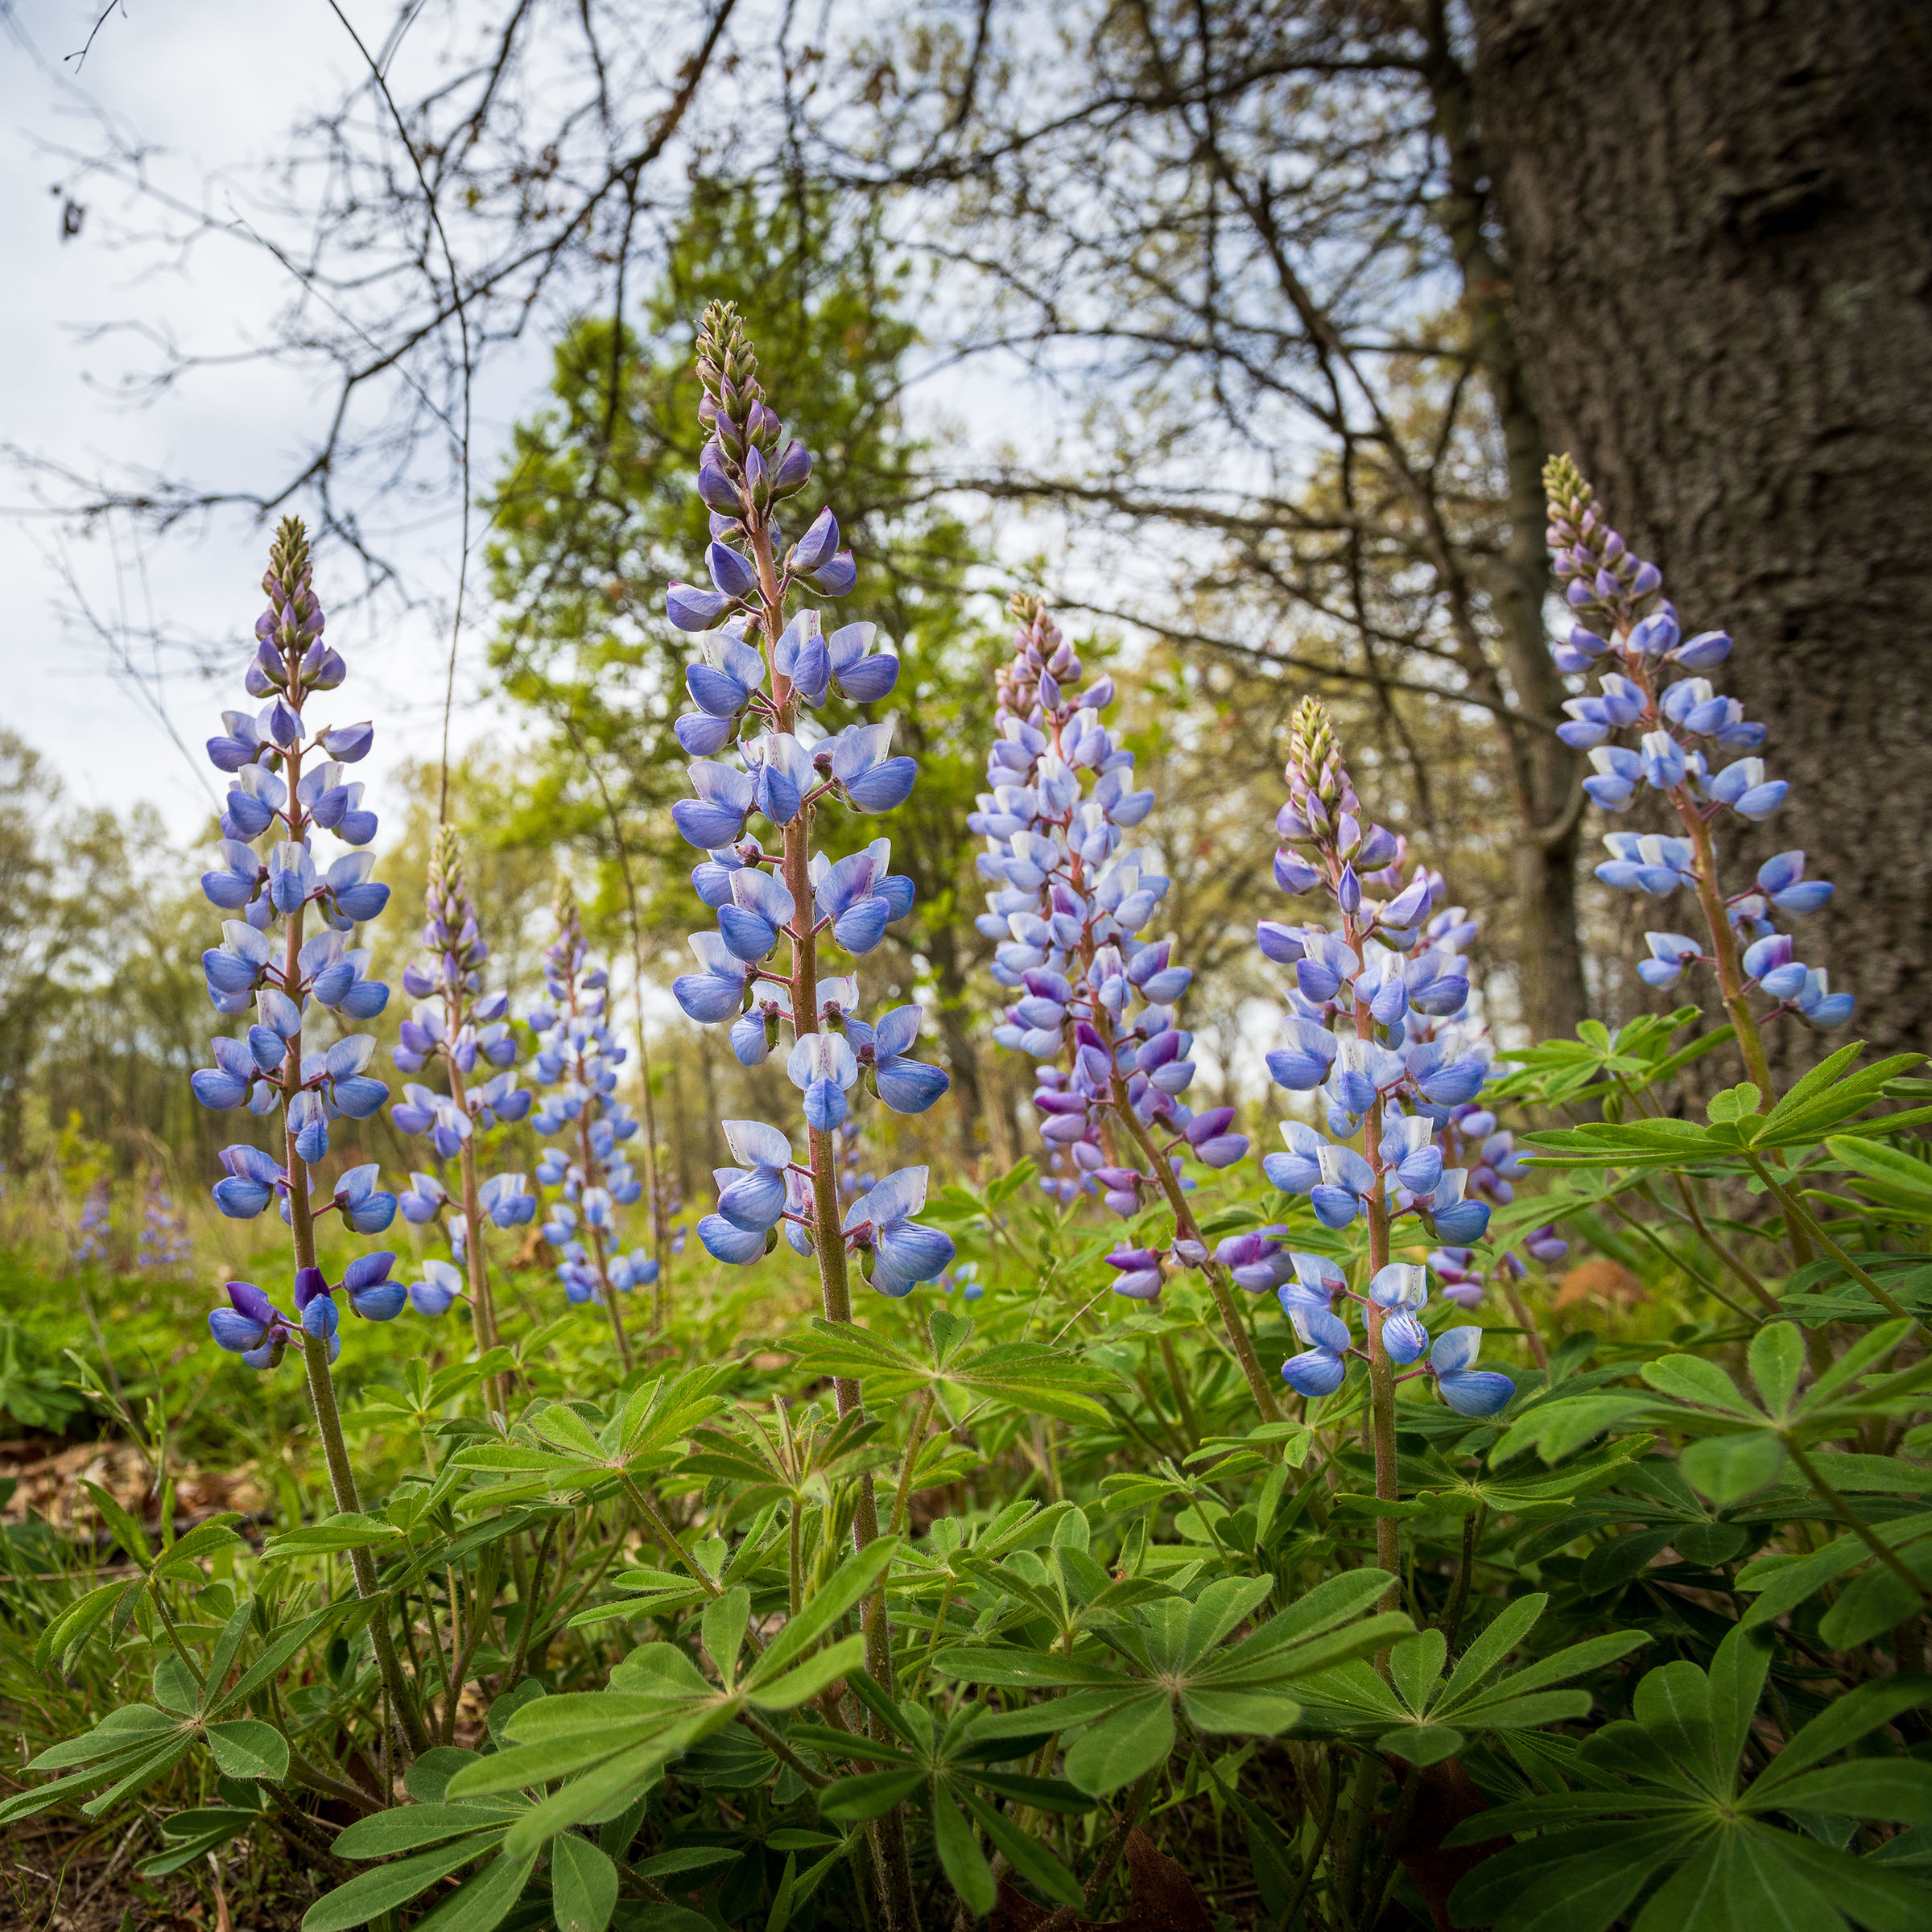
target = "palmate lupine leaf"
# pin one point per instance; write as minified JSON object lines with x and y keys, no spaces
{"x":600,"y":1749}
{"x":554,"y":1453}
{"x":1670,"y":1815}
{"x":1122,"y":1694}
{"x":1417,"y":1714}
{"x":1025,"y":1376}
{"x":134,"y":1746}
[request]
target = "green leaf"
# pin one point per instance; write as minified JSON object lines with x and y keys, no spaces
{"x":853,"y":1579}
{"x":371,"y":1893}
{"x":228,"y":1646}
{"x":965,"y":1865}
{"x":1728,"y":1467}
{"x":870,"y":1794}
{"x":1840,"y":1725}
{"x":1885,"y":1902}
{"x":1898,"y":1790}
{"x":583,"y":1884}
{"x":1415,"y":1665}
{"x":179,"y":1558}
{"x":282,"y":1644}
{"x":1734,"y":1103}
{"x":557,"y":1757}
{"x":246,"y":1748}
{"x":1615,"y":1562}
{"x":1027,"y":1856}
{"x":1673,"y":1705}
{"x":1019,"y":1670}
{"x":1871,"y":1604}
{"x":75,"y":1625}
{"x":496,"y":1719}
{"x":1777,"y":1360}
{"x":1689,"y":1378}
{"x":409,"y":1827}
{"x":184,"y":1847}
{"x":1042,"y":1793}
{"x":1594,"y":1653}
{"x":1242,"y":1713}
{"x":1892,"y":1165}
{"x":783,"y":1899}
{"x":1737,"y":1683}
{"x":826,"y":1666}
{"x":1422,"y":1743}
{"x":1220,"y":1608}
{"x":347,"y":1531}
{"x":428,"y":1777}
{"x":950,"y":1333}
{"x":127,"y":1532}
{"x":1581,"y":1882}
{"x":485,"y":1902}
{"x":1117,"y":1750}
{"x":131,"y":1727}
{"x":174,"y":1684}
{"x":725,"y":1620}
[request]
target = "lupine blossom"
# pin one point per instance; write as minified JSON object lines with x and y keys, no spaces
{"x":1071,"y":904}
{"x":456,"y":1024}
{"x":760,"y":676}
{"x":163,"y":1242}
{"x":1374,"y":1031}
{"x":578,"y":1057}
{"x":287,"y":785}
{"x":1694,"y":746}
{"x":96,"y":1224}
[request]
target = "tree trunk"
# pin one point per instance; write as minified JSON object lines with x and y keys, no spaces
{"x":1547,"y":773}
{"x":1719,"y":223}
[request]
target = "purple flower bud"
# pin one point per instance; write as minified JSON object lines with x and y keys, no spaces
{"x":818,"y":545}
{"x":735,"y":575}
{"x":690,"y":609}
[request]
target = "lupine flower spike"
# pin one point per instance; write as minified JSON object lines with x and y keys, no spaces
{"x":1071,"y":904}
{"x":1651,"y":682}
{"x":455,"y":1023}
{"x":764,"y":669}
{"x":288,"y":784}
{"x":766,"y":664}
{"x":578,"y":1057}
{"x":1375,"y":1030}
{"x":164,"y":1246}
{"x":96,"y":1231}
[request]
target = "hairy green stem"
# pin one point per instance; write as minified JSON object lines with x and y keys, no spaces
{"x":1855,"y":1523}
{"x":1795,"y":1210}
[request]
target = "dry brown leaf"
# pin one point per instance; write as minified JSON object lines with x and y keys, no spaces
{"x":1160,"y":1897}
{"x":1600,"y":1279}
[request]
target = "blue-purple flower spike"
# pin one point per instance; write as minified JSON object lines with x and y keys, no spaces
{"x":1095,"y":1005}
{"x":288,"y":784}
{"x":1694,"y":745}
{"x":456,"y":1023}
{"x":1069,"y":904}
{"x":1376,"y":1031}
{"x":763,"y":668}
{"x":578,"y":1058}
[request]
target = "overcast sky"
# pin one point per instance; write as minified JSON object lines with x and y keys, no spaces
{"x":207,"y":88}
{"x":209,"y":85}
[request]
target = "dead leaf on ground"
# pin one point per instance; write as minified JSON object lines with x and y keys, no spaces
{"x":1160,"y":1897}
{"x":49,"y":1486}
{"x":1446,"y":1796}
{"x":1600,"y":1279}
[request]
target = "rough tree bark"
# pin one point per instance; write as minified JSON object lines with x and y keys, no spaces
{"x":1720,"y":222}
{"x":1545,"y":772}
